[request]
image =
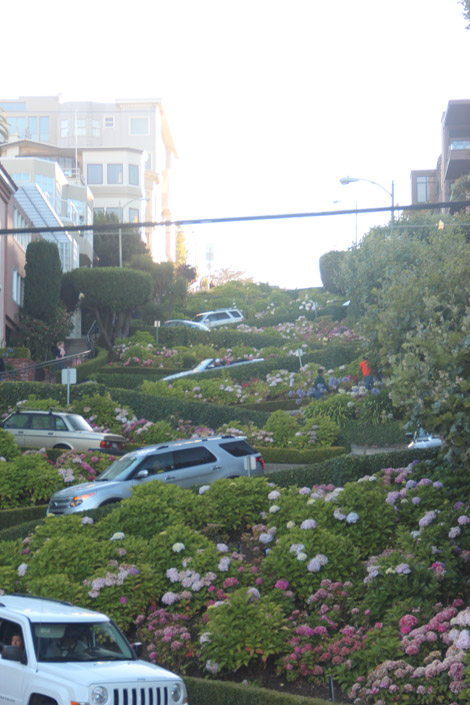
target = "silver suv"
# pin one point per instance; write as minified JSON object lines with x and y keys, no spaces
{"x":56,"y":429}
{"x":220,"y":317}
{"x":185,"y":463}
{"x":57,"y":654}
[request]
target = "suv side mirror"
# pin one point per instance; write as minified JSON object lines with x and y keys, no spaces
{"x":137,"y":648}
{"x":141,"y":474}
{"x":409,"y":434}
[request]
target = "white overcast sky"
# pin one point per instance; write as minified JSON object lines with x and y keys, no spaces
{"x":269,"y":103}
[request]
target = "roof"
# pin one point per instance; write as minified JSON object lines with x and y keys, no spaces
{"x":40,"y":609}
{"x":37,"y":208}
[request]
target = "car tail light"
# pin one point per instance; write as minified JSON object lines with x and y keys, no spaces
{"x":259,"y":459}
{"x":105,"y":444}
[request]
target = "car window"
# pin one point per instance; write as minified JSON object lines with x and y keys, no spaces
{"x":238,"y":448}
{"x":188,"y":457}
{"x":235,"y":314}
{"x":42,"y":422}
{"x":78,"y":423}
{"x":17,"y":421}
{"x":11,"y":634}
{"x":199,"y":317}
{"x":158,"y":463}
{"x":222,"y":316}
{"x":60,"y":424}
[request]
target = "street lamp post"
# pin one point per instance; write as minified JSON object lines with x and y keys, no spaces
{"x":351,"y":179}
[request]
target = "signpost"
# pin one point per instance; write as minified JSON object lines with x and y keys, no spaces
{"x":68,"y":377}
{"x":299,"y":352}
{"x":157,"y":326}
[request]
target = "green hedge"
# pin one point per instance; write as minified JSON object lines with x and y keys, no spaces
{"x":348,"y":468}
{"x":13,"y":392}
{"x":155,"y":408}
{"x":209,"y":692}
{"x":88,"y":367}
{"x":20,"y":515}
{"x":15,"y":352}
{"x":305,"y":456}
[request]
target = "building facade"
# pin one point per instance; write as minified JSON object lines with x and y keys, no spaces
{"x":121,"y":151}
{"x":435,"y":185}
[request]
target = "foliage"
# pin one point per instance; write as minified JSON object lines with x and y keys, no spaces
{"x":43,"y":272}
{"x":106,"y":241}
{"x":41,"y":337}
{"x":8,"y":446}
{"x":113,"y":294}
{"x":330,"y":271}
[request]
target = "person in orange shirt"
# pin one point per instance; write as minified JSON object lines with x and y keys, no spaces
{"x":366,"y":370}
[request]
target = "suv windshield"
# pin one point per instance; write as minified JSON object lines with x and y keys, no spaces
{"x":94,"y":641}
{"x":119,"y":469}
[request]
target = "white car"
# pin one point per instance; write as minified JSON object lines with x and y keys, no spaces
{"x":56,"y":429}
{"x":211,"y":363}
{"x":423,"y":439}
{"x":55,"y":654}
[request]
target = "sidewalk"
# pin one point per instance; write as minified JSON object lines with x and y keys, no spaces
{"x":372,"y":450}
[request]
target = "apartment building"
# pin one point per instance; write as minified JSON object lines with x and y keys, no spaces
{"x":435,"y":185}
{"x":121,"y":151}
{"x":12,"y":257}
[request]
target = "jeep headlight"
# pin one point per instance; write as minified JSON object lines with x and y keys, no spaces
{"x":99,"y":695}
{"x":176,"y":692}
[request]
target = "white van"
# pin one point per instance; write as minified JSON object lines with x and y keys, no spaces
{"x":220,"y":317}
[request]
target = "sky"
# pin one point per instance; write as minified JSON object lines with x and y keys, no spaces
{"x":269,"y":102}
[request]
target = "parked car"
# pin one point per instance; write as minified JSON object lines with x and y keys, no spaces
{"x":423,"y":439}
{"x":56,"y":654}
{"x":211,"y":363}
{"x":185,"y":463}
{"x":56,"y":429}
{"x":179,"y":322}
{"x":220,"y":317}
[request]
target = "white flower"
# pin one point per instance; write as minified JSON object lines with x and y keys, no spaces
{"x":301,"y":556}
{"x":290,"y":524}
{"x":275,"y":508}
{"x":22,"y":569}
{"x":204,"y":489}
{"x":118,"y":536}
{"x":178,"y":547}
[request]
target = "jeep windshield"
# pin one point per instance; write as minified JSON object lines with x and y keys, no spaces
{"x":90,"y":641}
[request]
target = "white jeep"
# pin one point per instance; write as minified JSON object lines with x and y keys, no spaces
{"x":53,"y":653}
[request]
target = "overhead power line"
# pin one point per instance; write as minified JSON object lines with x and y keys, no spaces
{"x":234,"y":219}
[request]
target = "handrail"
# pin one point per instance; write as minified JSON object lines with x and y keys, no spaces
{"x":54,"y":363}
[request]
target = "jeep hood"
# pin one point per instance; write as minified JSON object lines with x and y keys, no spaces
{"x":109,"y":673}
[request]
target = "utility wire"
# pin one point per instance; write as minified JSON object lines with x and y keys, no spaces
{"x":235,"y":219}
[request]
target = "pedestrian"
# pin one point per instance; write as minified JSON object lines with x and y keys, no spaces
{"x":319,"y":385}
{"x":366,"y":370}
{"x":60,"y":354}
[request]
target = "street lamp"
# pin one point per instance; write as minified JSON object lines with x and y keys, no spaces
{"x":351,"y":179}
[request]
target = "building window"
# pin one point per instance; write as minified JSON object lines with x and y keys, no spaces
{"x":134,"y":215}
{"x":17,"y":127}
{"x":460,"y":144}
{"x":32,"y":132}
{"x":139,"y":126}
{"x":109,"y":121}
{"x":17,"y":292}
{"x":94,"y":173}
{"x":13,"y":107}
{"x":424,"y":189}
{"x":113,"y":211}
{"x":80,"y":127}
{"x":64,"y":128}
{"x":133,"y":175}
{"x":43,"y":129}
{"x":97,"y":211}
{"x":114,"y":174}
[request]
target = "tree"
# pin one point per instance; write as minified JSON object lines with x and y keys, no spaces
{"x":330,"y":271}
{"x":42,"y":280}
{"x":106,"y":242}
{"x":113,"y":294}
{"x":466,"y":11}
